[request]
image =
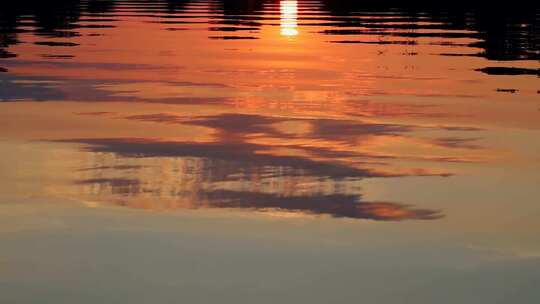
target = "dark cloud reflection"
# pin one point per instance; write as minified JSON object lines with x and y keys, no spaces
{"x":335,"y":205}
{"x":236,"y":175}
{"x":341,"y":206}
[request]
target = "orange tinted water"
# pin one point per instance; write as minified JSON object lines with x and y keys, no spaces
{"x":324,"y":111}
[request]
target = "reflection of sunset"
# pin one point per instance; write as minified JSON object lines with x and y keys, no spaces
{"x":289,"y":13}
{"x":248,"y":151}
{"x":253,"y":121}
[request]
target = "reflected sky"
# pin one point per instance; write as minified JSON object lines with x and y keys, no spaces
{"x":279,"y":102}
{"x":382,"y":125}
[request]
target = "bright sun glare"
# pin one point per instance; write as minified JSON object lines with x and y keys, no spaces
{"x":289,"y":13}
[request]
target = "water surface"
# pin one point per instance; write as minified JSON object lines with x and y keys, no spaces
{"x":247,"y":151}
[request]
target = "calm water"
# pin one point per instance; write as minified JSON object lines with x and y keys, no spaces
{"x":268,"y":151}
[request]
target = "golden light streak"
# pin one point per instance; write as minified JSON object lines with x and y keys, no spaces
{"x":289,"y":14}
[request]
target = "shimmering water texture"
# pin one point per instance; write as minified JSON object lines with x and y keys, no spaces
{"x":382,"y":124}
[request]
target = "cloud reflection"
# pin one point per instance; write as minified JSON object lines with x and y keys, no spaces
{"x":303,"y":165}
{"x":334,"y":205}
{"x":233,"y":174}
{"x":346,"y":206}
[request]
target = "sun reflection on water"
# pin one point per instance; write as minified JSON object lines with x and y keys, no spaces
{"x":289,"y":14}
